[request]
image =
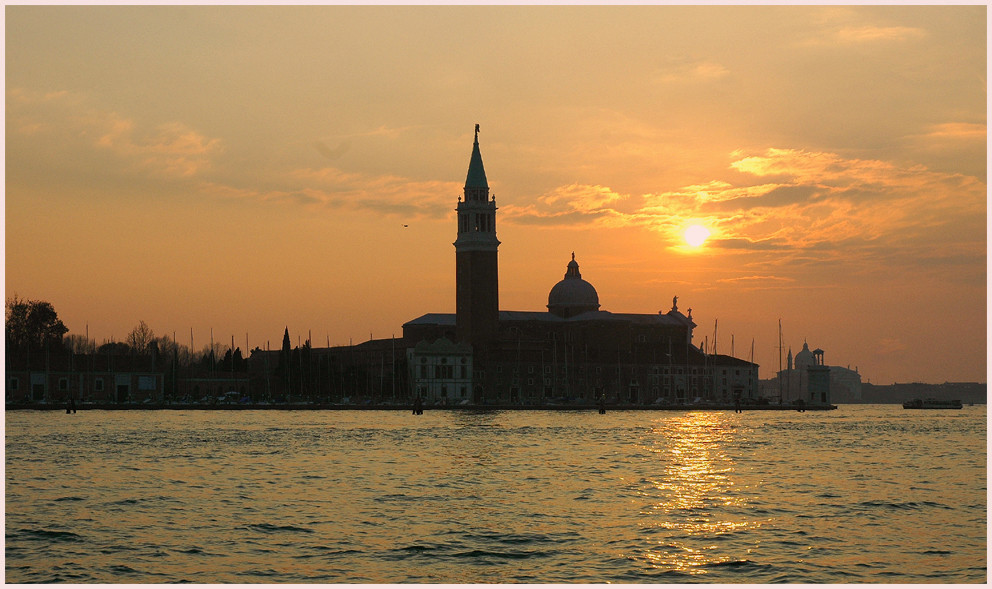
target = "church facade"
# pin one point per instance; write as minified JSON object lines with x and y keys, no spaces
{"x":573,"y":351}
{"x":799,"y":379}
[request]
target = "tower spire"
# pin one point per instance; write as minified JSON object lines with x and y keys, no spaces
{"x":476,"y":185}
{"x":476,"y":267}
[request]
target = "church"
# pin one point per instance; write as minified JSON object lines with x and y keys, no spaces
{"x":575,"y":351}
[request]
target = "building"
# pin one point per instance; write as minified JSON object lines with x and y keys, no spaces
{"x":807,"y":375}
{"x":58,"y":376}
{"x":574,"y":350}
{"x":374,"y":371}
{"x":441,"y":371}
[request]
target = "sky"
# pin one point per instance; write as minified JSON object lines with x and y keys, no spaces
{"x":240,"y":170}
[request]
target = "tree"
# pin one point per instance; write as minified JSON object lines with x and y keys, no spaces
{"x":140,"y":337}
{"x":79,"y":344}
{"x":114,"y":349}
{"x":285,"y":367}
{"x":33,"y":325}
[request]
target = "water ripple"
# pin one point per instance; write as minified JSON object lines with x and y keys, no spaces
{"x":496,"y":497}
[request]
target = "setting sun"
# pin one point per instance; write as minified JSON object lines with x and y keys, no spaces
{"x":696,"y":235}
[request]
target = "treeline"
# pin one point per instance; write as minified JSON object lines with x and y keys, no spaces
{"x":33,"y":329}
{"x":38,"y":341}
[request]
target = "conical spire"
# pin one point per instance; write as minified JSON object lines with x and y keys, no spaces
{"x":476,"y":172}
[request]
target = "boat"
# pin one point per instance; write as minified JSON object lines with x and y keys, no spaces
{"x":932,"y":404}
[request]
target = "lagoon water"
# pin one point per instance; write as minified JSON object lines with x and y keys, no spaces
{"x":862,"y":494}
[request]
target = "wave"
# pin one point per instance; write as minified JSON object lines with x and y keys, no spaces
{"x":43,"y":534}
{"x":270,"y":528}
{"x":904,"y":504}
{"x":511,"y":555}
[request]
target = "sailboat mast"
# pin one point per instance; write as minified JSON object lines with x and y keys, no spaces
{"x":780,"y":361}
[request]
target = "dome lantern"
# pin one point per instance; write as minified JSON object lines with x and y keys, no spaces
{"x":572,"y":295}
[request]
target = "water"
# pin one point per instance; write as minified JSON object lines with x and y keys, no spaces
{"x":862,"y":494}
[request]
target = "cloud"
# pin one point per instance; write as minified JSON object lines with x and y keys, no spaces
{"x":801,"y":207}
{"x":742,"y":243}
{"x":889,"y":345}
{"x":744,"y":280}
{"x":335,"y":188}
{"x":332,"y":153}
{"x":953,"y":140}
{"x":570,"y":204}
{"x":170,"y":149}
{"x":861,"y":34}
{"x":869,"y":34}
{"x":582,"y":198}
{"x":69,"y":126}
{"x":962,"y":131}
{"x":761,"y":283}
{"x":679,"y":71}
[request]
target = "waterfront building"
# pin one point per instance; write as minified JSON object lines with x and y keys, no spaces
{"x":59,"y":376}
{"x":441,"y":371}
{"x":574,"y":350}
{"x":797,"y":380}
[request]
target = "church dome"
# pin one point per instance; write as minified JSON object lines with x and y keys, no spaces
{"x":572,"y":295}
{"x":805,"y":357}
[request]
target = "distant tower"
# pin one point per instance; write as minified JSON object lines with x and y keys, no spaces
{"x":476,"y":272}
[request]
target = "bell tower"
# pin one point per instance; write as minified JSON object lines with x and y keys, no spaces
{"x":476,"y":271}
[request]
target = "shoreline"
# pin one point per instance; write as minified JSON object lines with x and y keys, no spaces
{"x":400,"y":407}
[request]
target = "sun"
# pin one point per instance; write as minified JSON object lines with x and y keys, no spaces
{"x":696,"y":235}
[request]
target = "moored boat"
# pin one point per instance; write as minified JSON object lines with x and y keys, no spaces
{"x":932,"y":404}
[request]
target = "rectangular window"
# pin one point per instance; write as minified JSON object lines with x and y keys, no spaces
{"x":98,"y":385}
{"x":63,"y":384}
{"x":146,"y":383}
{"x":13,"y":384}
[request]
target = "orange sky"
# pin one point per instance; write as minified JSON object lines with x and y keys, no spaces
{"x":245,"y":169}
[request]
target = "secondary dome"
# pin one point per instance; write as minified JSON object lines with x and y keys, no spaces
{"x":805,"y":357}
{"x":572,"y":295}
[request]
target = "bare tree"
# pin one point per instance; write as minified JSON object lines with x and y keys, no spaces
{"x":79,"y":344}
{"x":169,"y":347}
{"x":140,"y":338}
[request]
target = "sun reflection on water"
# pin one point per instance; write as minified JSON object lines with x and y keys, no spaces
{"x":692,"y":502}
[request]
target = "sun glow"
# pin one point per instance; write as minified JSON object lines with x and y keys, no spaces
{"x":696,"y":235}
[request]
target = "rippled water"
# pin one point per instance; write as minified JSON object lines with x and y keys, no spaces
{"x":862,"y":494}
